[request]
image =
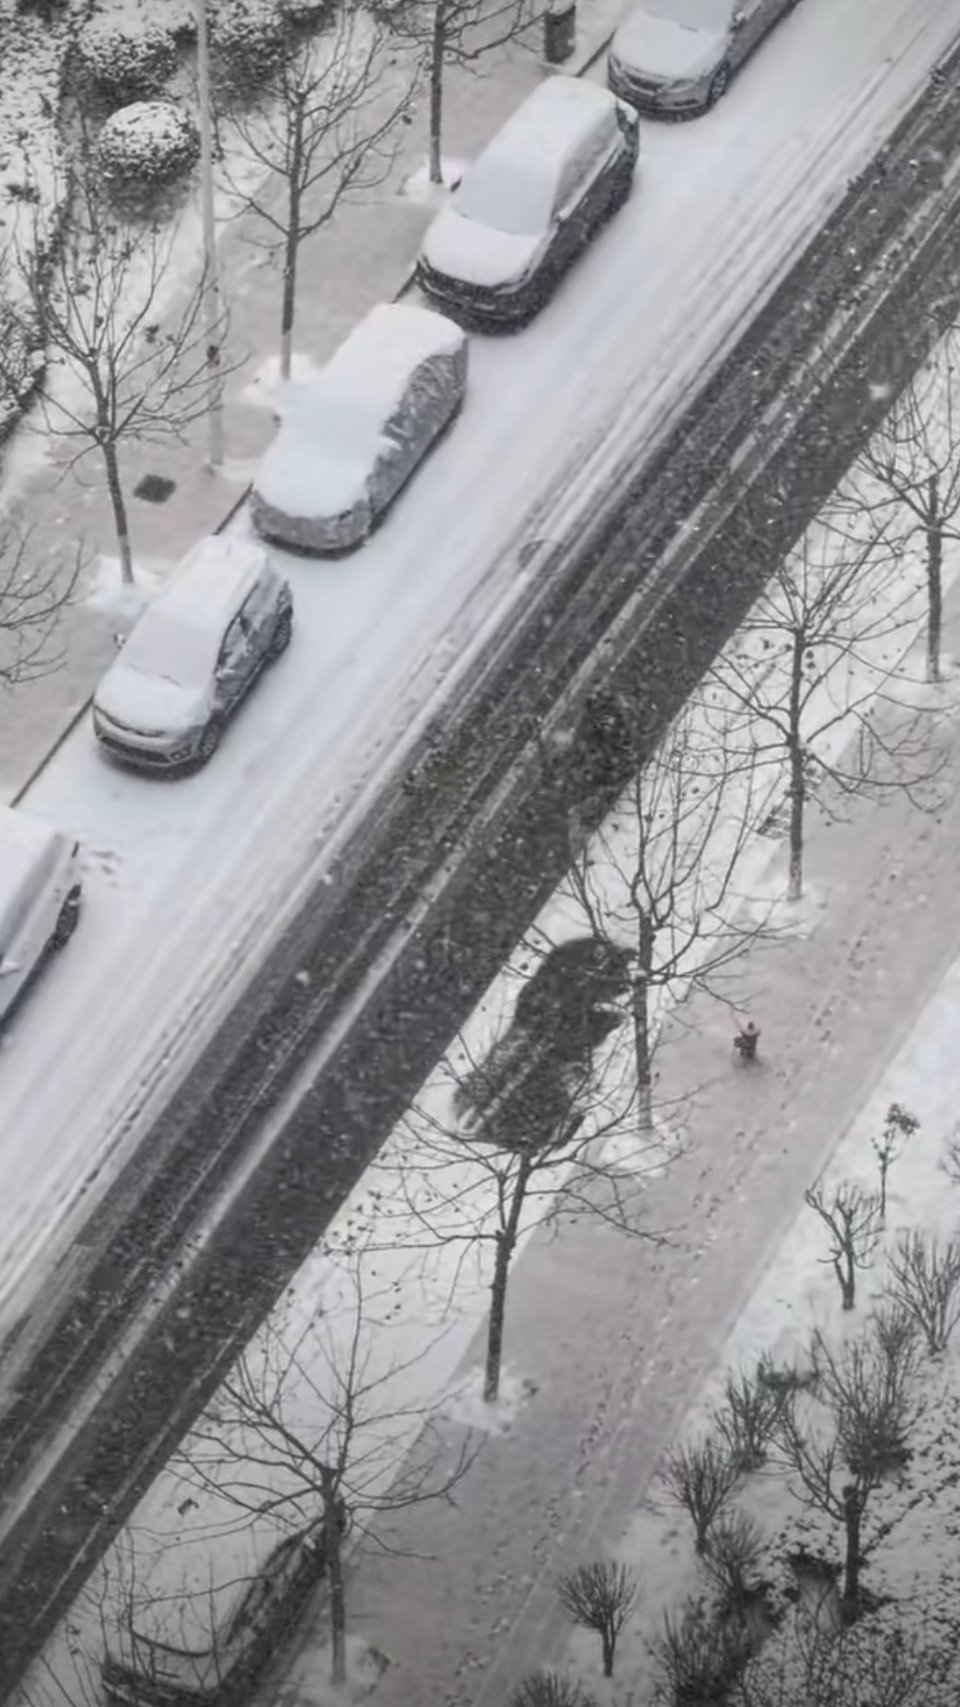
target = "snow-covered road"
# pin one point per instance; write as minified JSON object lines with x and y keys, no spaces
{"x":188,"y":882}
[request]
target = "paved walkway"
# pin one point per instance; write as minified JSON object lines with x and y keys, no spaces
{"x":616,"y":1338}
{"x":364,"y":256}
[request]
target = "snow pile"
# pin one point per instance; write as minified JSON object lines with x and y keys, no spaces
{"x":418,"y":186}
{"x":126,"y":57}
{"x":149,"y":142}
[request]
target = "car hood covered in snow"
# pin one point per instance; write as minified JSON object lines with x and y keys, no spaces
{"x":477,"y":254}
{"x":658,"y":47}
{"x":151,"y":705}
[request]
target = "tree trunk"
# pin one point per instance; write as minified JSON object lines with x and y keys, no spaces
{"x":798,"y":781}
{"x":334,"y":1561}
{"x":934,"y":532}
{"x":846,"y":1273}
{"x":852,"y":1519}
{"x":121,"y":525}
{"x":291,"y":245}
{"x":505,"y":1246}
{"x":437,"y":55}
{"x":641,"y":1019}
{"x":609,"y":1642}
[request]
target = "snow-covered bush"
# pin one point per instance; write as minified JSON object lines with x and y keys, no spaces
{"x":248,"y":39}
{"x":126,"y":60}
{"x":149,"y":142}
{"x":21,"y":360}
{"x":306,"y":11}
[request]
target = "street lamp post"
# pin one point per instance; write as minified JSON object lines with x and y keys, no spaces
{"x":211,"y":270}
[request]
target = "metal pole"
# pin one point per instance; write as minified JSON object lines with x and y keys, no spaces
{"x":211,"y":269}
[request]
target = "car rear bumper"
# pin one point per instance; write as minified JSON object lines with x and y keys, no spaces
{"x":318,"y":536}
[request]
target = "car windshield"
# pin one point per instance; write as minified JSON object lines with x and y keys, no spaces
{"x":171,"y":648}
{"x":506,"y":194}
{"x":691,"y":14}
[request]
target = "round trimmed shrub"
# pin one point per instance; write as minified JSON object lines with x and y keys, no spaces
{"x":306,"y":11}
{"x":149,"y":142}
{"x":248,"y":39}
{"x":22,"y":343}
{"x":126,"y":62}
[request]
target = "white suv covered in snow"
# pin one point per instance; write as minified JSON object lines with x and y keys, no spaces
{"x":193,"y":655}
{"x":561,"y":165}
{"x":39,"y":898}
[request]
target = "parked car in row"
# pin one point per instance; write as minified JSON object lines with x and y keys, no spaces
{"x":40,"y":893}
{"x":677,"y":56}
{"x":561,"y":165}
{"x":352,"y":437}
{"x":193,"y":655}
{"x":212,"y":1648}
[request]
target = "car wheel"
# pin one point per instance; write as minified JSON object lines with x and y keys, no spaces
{"x":67,"y":919}
{"x":282,"y":633}
{"x":718,"y":84}
{"x":209,"y":740}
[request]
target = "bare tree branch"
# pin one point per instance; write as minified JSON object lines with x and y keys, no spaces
{"x":126,"y":371}
{"x":325,"y":125}
{"x":820,"y":652}
{"x":33,"y":598}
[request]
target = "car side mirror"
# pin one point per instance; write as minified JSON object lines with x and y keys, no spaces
{"x":737,"y":21}
{"x":118,"y":639}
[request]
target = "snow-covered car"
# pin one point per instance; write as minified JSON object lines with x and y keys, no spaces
{"x":677,"y":56}
{"x":351,"y":438}
{"x":560,"y":166}
{"x":221,"y":1641}
{"x":193,"y":655}
{"x":39,"y":898}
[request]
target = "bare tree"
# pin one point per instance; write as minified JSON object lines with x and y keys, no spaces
{"x":143,"y":375}
{"x":867,"y":1664}
{"x":869,"y":1392}
{"x":461,"y":33}
{"x":925,"y":1284}
{"x":897,"y":1128}
{"x":33,"y":598}
{"x":659,"y":876}
{"x":909,"y":475}
{"x":731,"y":1560}
{"x":697,"y":1657}
{"x":324,"y":126}
{"x":306,"y":1426}
{"x":599,"y":1596}
{"x":852,"y":1219}
{"x":700,"y":1478}
{"x":537,"y":1135}
{"x":819,"y":651}
{"x":549,"y":1689}
{"x":748,"y":1419}
{"x":950,"y":1157}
